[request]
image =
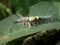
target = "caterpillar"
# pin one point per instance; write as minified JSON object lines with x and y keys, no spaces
{"x":35,"y":20}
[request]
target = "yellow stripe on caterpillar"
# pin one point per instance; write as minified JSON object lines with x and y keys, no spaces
{"x":31,"y":18}
{"x":37,"y":17}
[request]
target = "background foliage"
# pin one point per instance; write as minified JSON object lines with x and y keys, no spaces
{"x":12,"y":6}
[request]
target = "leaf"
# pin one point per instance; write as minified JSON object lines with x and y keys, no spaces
{"x":10,"y":31}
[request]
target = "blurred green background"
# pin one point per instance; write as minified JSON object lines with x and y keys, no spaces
{"x":10,"y":7}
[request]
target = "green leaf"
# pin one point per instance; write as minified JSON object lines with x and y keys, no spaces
{"x":10,"y":31}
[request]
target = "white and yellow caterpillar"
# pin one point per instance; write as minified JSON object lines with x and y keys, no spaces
{"x":35,"y":20}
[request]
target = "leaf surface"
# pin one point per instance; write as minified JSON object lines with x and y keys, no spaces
{"x":10,"y":31}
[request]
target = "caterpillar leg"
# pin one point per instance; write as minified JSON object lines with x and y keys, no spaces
{"x":29,"y":24}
